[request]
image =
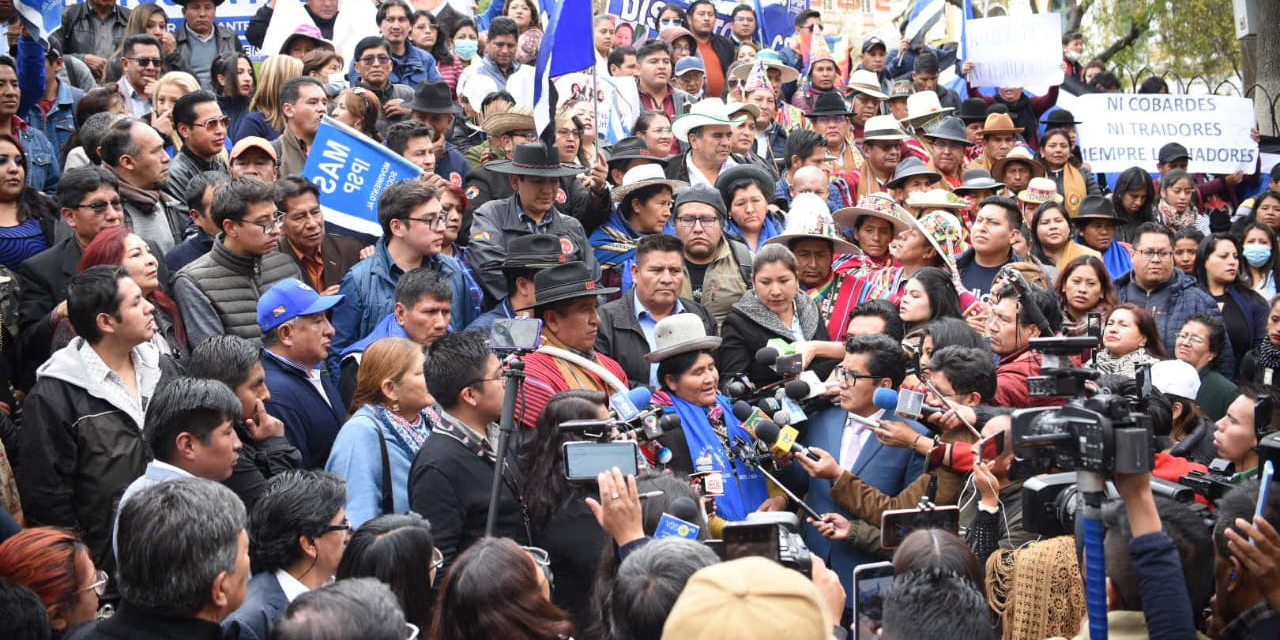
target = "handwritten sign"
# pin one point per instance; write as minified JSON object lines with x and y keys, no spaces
{"x":1121,"y":130}
{"x":1023,"y":51}
{"x":352,"y":171}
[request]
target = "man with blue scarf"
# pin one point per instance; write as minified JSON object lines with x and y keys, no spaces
{"x":708,"y":429}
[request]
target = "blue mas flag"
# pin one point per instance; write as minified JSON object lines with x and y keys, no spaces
{"x":924,"y":14}
{"x":352,"y":171}
{"x":41,"y":17}
{"x":567,"y":46}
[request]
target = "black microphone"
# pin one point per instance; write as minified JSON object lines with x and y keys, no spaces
{"x":669,"y":421}
{"x":767,"y":356}
{"x":769,"y":406}
{"x":783,"y":439}
{"x":686,"y":509}
{"x":797,"y":389}
{"x":742,"y":410}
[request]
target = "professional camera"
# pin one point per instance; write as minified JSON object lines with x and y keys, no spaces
{"x":1051,"y":502}
{"x":1212,"y":485}
{"x":771,"y":534}
{"x":1104,"y":433}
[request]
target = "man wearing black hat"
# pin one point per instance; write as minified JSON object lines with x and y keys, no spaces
{"x":566,"y":301}
{"x":201,"y":40}
{"x":433,"y":106}
{"x":874,"y":55}
{"x":949,"y":143}
{"x":535,"y":171}
{"x":831,"y":118}
{"x":627,"y":153}
{"x":526,"y":256}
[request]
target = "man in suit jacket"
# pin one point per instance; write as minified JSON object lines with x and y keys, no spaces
{"x":322,"y":257}
{"x":870,"y":362}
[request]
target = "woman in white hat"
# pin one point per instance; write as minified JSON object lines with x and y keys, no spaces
{"x":642,"y":205}
{"x":708,"y":429}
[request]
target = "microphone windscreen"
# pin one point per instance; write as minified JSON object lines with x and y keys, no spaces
{"x":640,"y":396}
{"x":767,"y":432}
{"x":767,"y":356}
{"x":886,"y":399}
{"x":797,"y":389}
{"x":742,"y":409}
{"x":769,"y":405}
{"x":685,"y":508}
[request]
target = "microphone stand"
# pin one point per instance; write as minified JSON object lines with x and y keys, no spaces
{"x":739,"y":452}
{"x":514,"y":373}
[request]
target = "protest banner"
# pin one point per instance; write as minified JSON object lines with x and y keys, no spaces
{"x":1008,"y":51}
{"x":1122,"y":130}
{"x":235,"y":14}
{"x":775,"y":18}
{"x":352,"y":171}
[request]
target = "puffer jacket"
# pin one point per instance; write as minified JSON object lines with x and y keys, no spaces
{"x":1185,"y":299}
{"x":80,"y":449}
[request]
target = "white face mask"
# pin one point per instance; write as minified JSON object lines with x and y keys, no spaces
{"x":1074,"y":56}
{"x":337,"y":82}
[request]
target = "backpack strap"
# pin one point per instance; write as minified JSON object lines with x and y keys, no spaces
{"x":388,"y":500}
{"x":743,"y":256}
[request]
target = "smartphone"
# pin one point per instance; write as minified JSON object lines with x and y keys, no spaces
{"x":1264,"y":488}
{"x":871,"y":582}
{"x":583,"y":461}
{"x":743,"y":539}
{"x":989,"y":448}
{"x":516,"y":334}
{"x":897,"y":524}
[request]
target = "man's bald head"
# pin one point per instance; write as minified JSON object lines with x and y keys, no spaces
{"x":810,"y":180}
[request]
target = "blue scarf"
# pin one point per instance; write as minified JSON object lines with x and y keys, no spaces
{"x":614,"y":245}
{"x":770,"y":229}
{"x":1117,"y":260}
{"x":744,"y":489}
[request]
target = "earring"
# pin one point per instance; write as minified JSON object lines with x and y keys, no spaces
{"x":395,"y":406}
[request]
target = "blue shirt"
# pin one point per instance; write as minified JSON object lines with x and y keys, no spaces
{"x":647,"y":325}
{"x":414,"y":67}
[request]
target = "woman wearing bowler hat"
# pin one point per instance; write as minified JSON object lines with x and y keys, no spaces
{"x":1097,"y":224}
{"x":708,"y":429}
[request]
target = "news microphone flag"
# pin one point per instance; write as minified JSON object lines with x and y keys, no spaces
{"x":924,"y":15}
{"x":567,"y":46}
{"x":352,"y":171}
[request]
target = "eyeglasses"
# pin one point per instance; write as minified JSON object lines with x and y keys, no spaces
{"x":543,"y":560}
{"x":99,"y":585}
{"x":433,"y":221}
{"x":437,"y":558}
{"x":274,"y":222}
{"x":658,"y":130}
{"x":212,"y":124}
{"x":1151,"y":254}
{"x":528,"y":136}
{"x":1190,"y":338}
{"x":372,"y":60}
{"x":342,"y":526}
{"x":851,"y":378}
{"x":690,"y":222}
{"x":100,"y":208}
{"x":147,"y":62}
{"x":812,"y":27}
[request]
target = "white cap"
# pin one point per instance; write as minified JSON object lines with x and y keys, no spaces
{"x":1176,"y":377}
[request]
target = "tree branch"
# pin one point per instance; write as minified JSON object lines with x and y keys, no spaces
{"x":1076,"y":15}
{"x":1124,"y":42}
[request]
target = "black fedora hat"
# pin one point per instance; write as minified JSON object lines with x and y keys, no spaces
{"x":565,"y":282}
{"x":633,"y":148}
{"x":972,"y":110}
{"x":1059,"y":117}
{"x":1096,"y":208}
{"x":910,"y":167}
{"x":432,"y":97}
{"x":536,"y":159}
{"x":951,"y":128}
{"x":535,"y":251}
{"x":830,"y":103}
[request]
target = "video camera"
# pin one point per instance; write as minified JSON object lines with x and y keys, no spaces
{"x":1051,"y":502}
{"x":1103,"y":433}
{"x":770,"y":534}
{"x":632,"y":417}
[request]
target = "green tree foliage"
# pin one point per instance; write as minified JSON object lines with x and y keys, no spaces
{"x":1186,"y":37}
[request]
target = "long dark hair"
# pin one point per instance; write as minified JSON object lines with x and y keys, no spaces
{"x":1108,"y":300}
{"x":442,"y":50}
{"x":546,"y":490}
{"x":1049,"y":133}
{"x":227,"y":65}
{"x":397,"y":550}
{"x":1037,"y":250}
{"x":1146,"y":326}
{"x":1206,"y":249}
{"x":1134,"y":179}
{"x":944,"y":302}
{"x":491,"y":591}
{"x":1274,"y":266}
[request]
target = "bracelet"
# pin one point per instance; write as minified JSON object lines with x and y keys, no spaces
{"x":913,"y":442}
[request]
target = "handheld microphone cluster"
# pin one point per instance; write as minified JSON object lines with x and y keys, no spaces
{"x":781,"y":356}
{"x":782,"y":440}
{"x":629,"y":418}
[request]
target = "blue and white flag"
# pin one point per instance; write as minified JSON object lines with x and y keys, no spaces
{"x":924,"y":15}
{"x":41,"y":17}
{"x":567,"y":46}
{"x":352,"y":171}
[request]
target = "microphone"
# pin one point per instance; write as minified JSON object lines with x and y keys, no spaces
{"x":909,"y":403}
{"x":746,"y":414}
{"x":767,"y":356}
{"x":685,"y":508}
{"x":627,"y":404}
{"x":783,"y":439}
{"x":769,"y":405}
{"x":797,"y":389}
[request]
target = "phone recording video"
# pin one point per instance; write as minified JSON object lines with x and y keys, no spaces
{"x":584,"y":461}
{"x":897,"y":524}
{"x":871,"y":582}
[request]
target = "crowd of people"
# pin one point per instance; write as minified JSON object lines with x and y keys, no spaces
{"x":222,"y":416}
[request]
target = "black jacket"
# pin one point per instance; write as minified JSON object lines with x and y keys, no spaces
{"x":227,"y":39}
{"x":499,"y":222}
{"x":449,"y":486}
{"x":132,"y":623}
{"x":591,"y":209}
{"x":750,"y":325}
{"x":725,"y":50}
{"x":622,"y":339}
{"x":340,"y":253}
{"x":574,"y":541}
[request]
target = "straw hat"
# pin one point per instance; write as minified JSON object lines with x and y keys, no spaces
{"x":923,"y":105}
{"x":641,"y":176}
{"x":877,"y":205}
{"x":1018,"y":154}
{"x":1040,"y":191}
{"x":936,"y":199}
{"x":517,"y":118}
{"x":769,"y":59}
{"x":865,"y":81}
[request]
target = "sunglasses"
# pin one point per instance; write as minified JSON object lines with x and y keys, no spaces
{"x":147,"y":62}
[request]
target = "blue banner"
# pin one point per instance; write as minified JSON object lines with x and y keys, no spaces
{"x":775,"y":19}
{"x":352,"y":171}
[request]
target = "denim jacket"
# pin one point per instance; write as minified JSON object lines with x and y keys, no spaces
{"x":43,"y":171}
{"x":60,"y":122}
{"x":415,"y":67}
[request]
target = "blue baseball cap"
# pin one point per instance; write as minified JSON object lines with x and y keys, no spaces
{"x":689,"y":63}
{"x":288,"y":299}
